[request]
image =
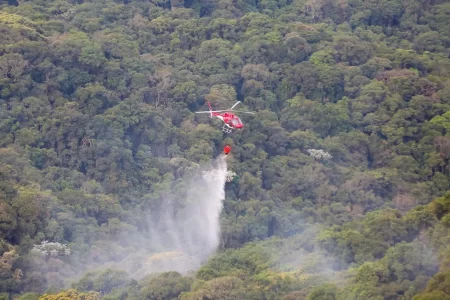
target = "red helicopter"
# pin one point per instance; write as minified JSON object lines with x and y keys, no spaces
{"x":231,"y":121}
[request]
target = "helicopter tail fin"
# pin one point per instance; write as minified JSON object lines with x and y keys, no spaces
{"x":210,"y":110}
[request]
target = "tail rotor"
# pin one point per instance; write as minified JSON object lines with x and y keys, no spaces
{"x":210,"y":110}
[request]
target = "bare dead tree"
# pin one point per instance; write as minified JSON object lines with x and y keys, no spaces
{"x":387,"y":76}
{"x":404,"y":202}
{"x":12,"y":66}
{"x":161,"y":81}
{"x":314,"y":7}
{"x":86,"y":142}
{"x":442,"y":144}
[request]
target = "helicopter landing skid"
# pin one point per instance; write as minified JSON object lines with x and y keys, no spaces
{"x":226,"y":129}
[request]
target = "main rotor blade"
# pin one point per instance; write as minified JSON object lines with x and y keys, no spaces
{"x":227,"y":110}
{"x":244,"y":112}
{"x":208,"y":111}
{"x":235,"y":105}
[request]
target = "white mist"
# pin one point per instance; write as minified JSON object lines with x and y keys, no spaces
{"x":181,"y":239}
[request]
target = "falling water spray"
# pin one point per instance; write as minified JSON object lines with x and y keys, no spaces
{"x":184,"y":233}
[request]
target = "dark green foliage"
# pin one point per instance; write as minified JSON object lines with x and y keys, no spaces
{"x":103,"y":282}
{"x":323,"y":292}
{"x":246,"y":262}
{"x":167,"y":285}
{"x":97,"y":124}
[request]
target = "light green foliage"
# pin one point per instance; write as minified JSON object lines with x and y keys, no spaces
{"x":322,"y":57}
{"x":72,"y":294}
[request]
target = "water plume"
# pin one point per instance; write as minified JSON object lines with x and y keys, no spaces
{"x":185,"y":232}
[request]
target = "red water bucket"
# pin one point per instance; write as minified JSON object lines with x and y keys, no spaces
{"x":226,"y":149}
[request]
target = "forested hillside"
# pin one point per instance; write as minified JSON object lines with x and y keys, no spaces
{"x":97,"y":123}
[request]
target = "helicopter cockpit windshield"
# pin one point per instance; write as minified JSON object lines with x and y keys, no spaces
{"x":236,"y":122}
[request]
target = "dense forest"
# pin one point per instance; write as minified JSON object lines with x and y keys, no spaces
{"x":97,"y":122}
